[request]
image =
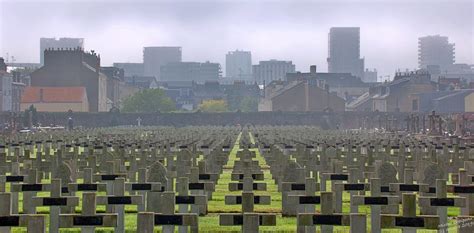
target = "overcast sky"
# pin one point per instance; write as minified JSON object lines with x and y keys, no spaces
{"x":207,"y":30}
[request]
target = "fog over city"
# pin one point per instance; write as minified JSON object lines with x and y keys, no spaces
{"x":206,"y":30}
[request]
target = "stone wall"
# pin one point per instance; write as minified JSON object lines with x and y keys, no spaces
{"x":347,"y":120}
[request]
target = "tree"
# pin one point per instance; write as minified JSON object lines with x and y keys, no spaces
{"x":213,"y":106}
{"x":249,"y":104}
{"x":149,"y":100}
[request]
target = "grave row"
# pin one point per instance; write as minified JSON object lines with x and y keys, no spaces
{"x":170,"y":175}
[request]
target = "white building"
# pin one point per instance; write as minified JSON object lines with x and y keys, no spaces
{"x":370,"y":76}
{"x":238,"y":65}
{"x":61,"y":43}
{"x":267,"y":71}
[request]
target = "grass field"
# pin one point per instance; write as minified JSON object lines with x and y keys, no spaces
{"x":210,"y":223}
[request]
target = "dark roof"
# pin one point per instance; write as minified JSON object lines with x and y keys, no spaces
{"x":176,"y":84}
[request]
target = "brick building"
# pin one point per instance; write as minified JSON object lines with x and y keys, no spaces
{"x":55,"y":99}
{"x":74,"y":68}
{"x":396,"y":96}
{"x":345,"y":85}
{"x":300,"y":96}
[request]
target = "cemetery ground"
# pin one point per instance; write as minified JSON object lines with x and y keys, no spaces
{"x":217,"y":206}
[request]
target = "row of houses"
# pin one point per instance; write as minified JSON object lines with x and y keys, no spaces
{"x":414,"y":92}
{"x":312,"y":91}
{"x":407,"y":92}
{"x":72,"y":79}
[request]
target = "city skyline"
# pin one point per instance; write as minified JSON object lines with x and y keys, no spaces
{"x":210,"y":31}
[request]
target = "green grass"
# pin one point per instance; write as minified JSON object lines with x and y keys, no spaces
{"x":210,"y":223}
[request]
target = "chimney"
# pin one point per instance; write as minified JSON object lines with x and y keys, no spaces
{"x":312,"y":69}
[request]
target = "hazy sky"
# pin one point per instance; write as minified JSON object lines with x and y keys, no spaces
{"x":207,"y":30}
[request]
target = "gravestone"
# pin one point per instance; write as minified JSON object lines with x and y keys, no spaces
{"x":387,"y":174}
{"x":158,"y":173}
{"x":432,"y":173}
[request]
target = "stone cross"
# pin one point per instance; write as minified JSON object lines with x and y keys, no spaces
{"x":464,"y":189}
{"x":118,"y":200}
{"x":29,"y":190}
{"x":88,"y":220}
{"x":409,"y":221}
{"x":33,"y":222}
{"x":305,"y":203}
{"x":247,"y":200}
{"x":55,"y":202}
{"x":247,"y":185}
{"x":292,"y":193}
{"x":352,"y":188}
{"x":143,"y":187}
{"x":184,"y":200}
{"x":167,"y":217}
{"x":87,"y":184}
{"x":442,"y":202}
{"x":14,"y":177}
{"x":147,"y":220}
{"x":250,"y":222}
{"x":327,"y":219}
{"x":375,"y":201}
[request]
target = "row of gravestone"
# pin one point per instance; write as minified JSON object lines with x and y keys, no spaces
{"x":193,"y":187}
{"x":348,"y":170}
{"x":287,"y":166}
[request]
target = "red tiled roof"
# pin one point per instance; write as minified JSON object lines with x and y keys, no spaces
{"x":53,"y":95}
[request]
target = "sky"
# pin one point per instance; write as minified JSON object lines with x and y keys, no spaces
{"x":295,"y":30}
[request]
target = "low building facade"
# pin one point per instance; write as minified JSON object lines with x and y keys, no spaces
{"x":55,"y":99}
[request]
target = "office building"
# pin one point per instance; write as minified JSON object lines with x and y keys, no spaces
{"x":238,"y":65}
{"x":156,"y":57}
{"x":130,"y":69}
{"x":267,"y":71}
{"x":435,"y":51}
{"x":344,"y":51}
{"x":191,"y":71}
